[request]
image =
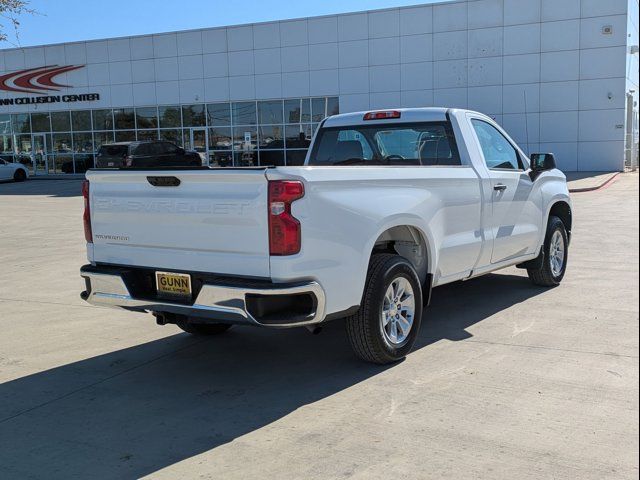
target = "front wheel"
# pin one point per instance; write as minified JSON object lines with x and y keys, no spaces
{"x":556,"y":252}
{"x":385,"y":328}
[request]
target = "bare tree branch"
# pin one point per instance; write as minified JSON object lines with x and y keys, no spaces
{"x":10,"y":11}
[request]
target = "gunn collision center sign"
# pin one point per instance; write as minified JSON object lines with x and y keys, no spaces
{"x":40,"y":81}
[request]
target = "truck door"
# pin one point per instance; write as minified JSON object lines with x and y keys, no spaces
{"x":516,"y":215}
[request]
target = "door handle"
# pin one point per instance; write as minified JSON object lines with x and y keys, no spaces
{"x":500,"y":187}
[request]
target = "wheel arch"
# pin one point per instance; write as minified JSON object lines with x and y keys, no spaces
{"x":412,"y":243}
{"x":562,"y":210}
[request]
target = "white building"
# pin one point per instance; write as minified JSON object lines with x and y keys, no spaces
{"x":554,"y":73}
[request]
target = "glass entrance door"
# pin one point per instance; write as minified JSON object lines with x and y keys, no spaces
{"x":199,"y":142}
{"x":39,"y":154}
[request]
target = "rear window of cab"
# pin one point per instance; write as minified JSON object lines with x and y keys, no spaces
{"x":417,"y":144}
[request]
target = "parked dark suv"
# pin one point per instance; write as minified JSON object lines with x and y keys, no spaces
{"x":154,"y":153}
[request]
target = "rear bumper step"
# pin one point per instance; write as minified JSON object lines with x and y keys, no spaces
{"x":273,"y":305}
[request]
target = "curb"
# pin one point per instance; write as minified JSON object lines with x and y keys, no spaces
{"x":597,"y":187}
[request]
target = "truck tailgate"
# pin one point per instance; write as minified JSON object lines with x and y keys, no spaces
{"x":213,"y":221}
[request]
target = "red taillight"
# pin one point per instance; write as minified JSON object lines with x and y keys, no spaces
{"x":86,"y":216}
{"x":382,"y":115}
{"x":284,"y":228}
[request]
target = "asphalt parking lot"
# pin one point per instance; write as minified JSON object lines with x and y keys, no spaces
{"x":507,"y":380}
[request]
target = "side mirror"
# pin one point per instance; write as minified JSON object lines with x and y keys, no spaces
{"x":541,"y":162}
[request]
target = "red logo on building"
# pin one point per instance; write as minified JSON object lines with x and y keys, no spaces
{"x":35,"y":80}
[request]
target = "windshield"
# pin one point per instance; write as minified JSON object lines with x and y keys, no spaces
{"x":426,"y":144}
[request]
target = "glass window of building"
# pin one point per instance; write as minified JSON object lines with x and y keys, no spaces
{"x":6,"y":139}
{"x":23,"y":144}
{"x":40,"y":122}
{"x":246,"y":158}
{"x":318,"y":109}
{"x":170,"y":117}
{"x":60,"y":164}
{"x":61,"y":143}
{"x":43,"y":141}
{"x":147,"y":134}
{"x":271,"y":136}
{"x":102,"y":119}
{"x":6,"y":146}
{"x":244,"y":113}
{"x":20,"y":123}
{"x":147,"y":117}
{"x":81,"y":120}
{"x":333,"y":106}
{"x":124,"y":119}
{"x":293,"y":110}
{"x":100,"y":138}
{"x":270,"y":113}
{"x":219,"y":114}
{"x":298,"y":136}
{"x":221,"y":159}
{"x":305,"y":114}
{"x":83,"y":142}
{"x":125,"y":135}
{"x":193,"y":116}
{"x":245,"y":138}
{"x":269,"y":132}
{"x":220,"y":138}
{"x":5,"y":124}
{"x":174,"y":136}
{"x":61,"y":122}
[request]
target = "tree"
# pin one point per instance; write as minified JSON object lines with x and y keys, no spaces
{"x":10,"y":10}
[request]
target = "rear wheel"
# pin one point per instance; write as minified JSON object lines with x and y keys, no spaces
{"x":203,"y":328}
{"x":385,"y":328}
{"x":556,"y":251}
{"x":19,"y":175}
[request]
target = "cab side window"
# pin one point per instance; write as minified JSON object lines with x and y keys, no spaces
{"x":498,"y":152}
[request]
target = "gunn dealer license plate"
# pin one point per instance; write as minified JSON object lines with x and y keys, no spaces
{"x":173,"y":284}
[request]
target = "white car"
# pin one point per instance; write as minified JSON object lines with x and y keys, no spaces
{"x":13,"y":171}
{"x":389,"y":205}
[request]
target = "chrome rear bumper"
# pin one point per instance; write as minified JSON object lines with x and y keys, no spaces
{"x":220,"y":303}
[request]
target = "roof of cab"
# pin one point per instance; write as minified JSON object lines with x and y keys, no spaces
{"x":425,"y":114}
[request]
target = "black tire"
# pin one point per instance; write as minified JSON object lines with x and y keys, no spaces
{"x":544,"y":275}
{"x":203,"y":328}
{"x":364,"y":329}
{"x":19,"y":175}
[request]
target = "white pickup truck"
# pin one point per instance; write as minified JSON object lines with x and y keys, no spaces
{"x":388,"y":205}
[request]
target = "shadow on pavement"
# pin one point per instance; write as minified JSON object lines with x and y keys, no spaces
{"x":48,"y":188}
{"x":132,"y":412}
{"x":456,"y":306}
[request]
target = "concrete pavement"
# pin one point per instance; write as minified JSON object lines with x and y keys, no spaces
{"x":507,"y":380}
